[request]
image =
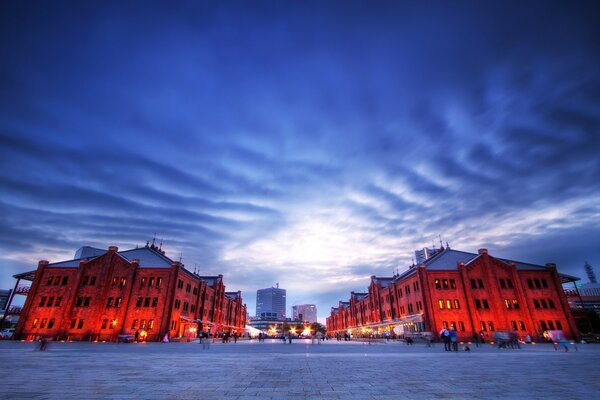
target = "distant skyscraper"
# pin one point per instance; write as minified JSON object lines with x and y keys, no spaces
{"x":305,"y":312}
{"x":271,"y":300}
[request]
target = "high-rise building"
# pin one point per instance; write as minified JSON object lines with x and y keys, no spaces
{"x":271,"y":300}
{"x":305,"y":312}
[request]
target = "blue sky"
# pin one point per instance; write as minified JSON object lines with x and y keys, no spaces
{"x":307,"y":143}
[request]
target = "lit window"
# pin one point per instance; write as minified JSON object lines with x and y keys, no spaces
{"x":461,"y":326}
{"x":491,"y":325}
{"x":456,"y":304}
{"x":522,"y":325}
{"x":515,"y":304}
{"x":448,"y":304}
{"x":35,"y":323}
{"x":144,"y":281}
{"x":437,"y":283}
{"x":445,"y":284}
{"x":508,"y":304}
{"x":43,"y":323}
{"x":151,"y":281}
{"x":123,"y":281}
{"x":134,"y":324}
{"x":143,"y":324}
{"x":158,"y":281}
{"x":150,"y":324}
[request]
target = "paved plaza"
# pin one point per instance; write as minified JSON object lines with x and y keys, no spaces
{"x":272,"y":370}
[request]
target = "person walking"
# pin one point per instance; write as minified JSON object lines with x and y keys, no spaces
{"x":445,"y":336}
{"x":476,"y":339}
{"x":136,"y":337}
{"x":454,"y":339}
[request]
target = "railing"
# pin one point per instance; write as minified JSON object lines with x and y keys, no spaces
{"x":15,"y":310}
{"x":23,"y":289}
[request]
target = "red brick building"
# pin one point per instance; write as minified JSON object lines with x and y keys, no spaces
{"x":102,"y":294}
{"x":472,"y":292}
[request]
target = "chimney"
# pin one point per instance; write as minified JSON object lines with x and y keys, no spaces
{"x":176,"y":264}
{"x":482,"y":251}
{"x":136,"y":261}
{"x":113,"y":249}
{"x":43,"y":263}
{"x":551,"y":265}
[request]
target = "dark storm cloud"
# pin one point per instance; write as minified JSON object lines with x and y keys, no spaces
{"x":222,"y":125}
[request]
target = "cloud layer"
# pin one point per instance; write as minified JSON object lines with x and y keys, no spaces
{"x":307,"y":144}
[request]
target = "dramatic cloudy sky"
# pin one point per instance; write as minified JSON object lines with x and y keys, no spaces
{"x":307,"y":143}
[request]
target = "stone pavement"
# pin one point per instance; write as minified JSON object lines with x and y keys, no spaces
{"x":272,"y":370}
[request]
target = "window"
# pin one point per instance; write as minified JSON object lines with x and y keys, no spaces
{"x":448,"y":304}
{"x":453,"y":324}
{"x":104,"y":324}
{"x":58,"y":301}
{"x":399,"y":292}
{"x":419,"y":306}
{"x":92,"y":281}
{"x":445,"y":324}
{"x":150,"y":324}
{"x":185,"y":305}
{"x":180,"y":284}
{"x":513,"y":325}
{"x":143,"y":324}
{"x":193,"y":308}
{"x":49,"y":281}
{"x":109,"y":302}
{"x":42,"y":301}
{"x":151,"y":281}
{"x":544,"y":326}
{"x":456,"y":304}
{"x":173,"y":325}
{"x":416,"y":286}
{"x":551,"y":303}
{"x":195,"y":290}
{"x":118,"y":301}
{"x":35,"y":323}
{"x":65,"y":279}
{"x":485,"y":304}
{"x":188,"y":288}
{"x":536,"y":303}
{"x":437,"y":283}
{"x":154,"y":301}
{"x":402,"y":310}
{"x":537,"y":283}
{"x":491,"y":326}
{"x":407,"y":289}
{"x":177,"y":303}
{"x":134,"y":324}
{"x":502,"y":283}
{"x":113,"y":324}
{"x":80,"y":324}
{"x":50,"y":302}
{"x":147,"y":302}
{"x":452,"y":284}
{"x":86,"y":301}
{"x":56,"y":280}
{"x":508,"y":304}
{"x":529,"y":283}
{"x":85,"y":280}
{"x":461,"y":326}
{"x":515,"y":304}
{"x":473,"y":284}
{"x":410,"y":308}
{"x":43,"y":323}
{"x":139,"y":301}
{"x":158,"y":281}
{"x":79,"y":302}
{"x":482,"y":326}
{"x":480,"y":283}
{"x":544,"y":304}
{"x":123,"y":281}
{"x":551,"y":325}
{"x":478,"y":304}
{"x":115,"y":280}
{"x":445,"y":283}
{"x":544,"y":283}
{"x":558,"y":325}
{"x":143,"y":282}
{"x":73,"y":323}
{"x":509,"y":283}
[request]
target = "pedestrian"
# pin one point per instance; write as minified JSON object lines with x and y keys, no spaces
{"x":136,"y":337}
{"x":235,"y":337}
{"x":166,"y":338}
{"x":445,"y":336}
{"x":482,"y":337}
{"x":43,"y":343}
{"x":206,"y":340}
{"x":454,"y":339}
{"x":476,"y":339}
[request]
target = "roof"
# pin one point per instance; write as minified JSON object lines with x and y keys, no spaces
{"x":149,"y":257}
{"x":384,"y":282}
{"x":210,"y":280}
{"x":232,"y":295}
{"x":88,"y":252}
{"x":28,"y":276}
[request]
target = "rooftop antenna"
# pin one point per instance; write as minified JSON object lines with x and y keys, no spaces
{"x":277,"y":285}
{"x":447,"y":245}
{"x":154,"y":239}
{"x":180,"y":256}
{"x":441,"y":244}
{"x":160,"y":246}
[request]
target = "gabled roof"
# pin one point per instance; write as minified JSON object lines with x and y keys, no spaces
{"x":149,"y":258}
{"x":88,"y":252}
{"x":383,"y":281}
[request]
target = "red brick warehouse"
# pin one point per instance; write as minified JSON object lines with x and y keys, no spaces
{"x":101,"y":294}
{"x":472,"y":292}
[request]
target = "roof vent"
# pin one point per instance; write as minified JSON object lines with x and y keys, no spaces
{"x":482,"y":251}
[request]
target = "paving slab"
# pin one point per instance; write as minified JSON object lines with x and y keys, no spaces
{"x":272,"y":370}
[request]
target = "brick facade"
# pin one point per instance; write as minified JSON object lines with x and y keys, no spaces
{"x":473,"y":292}
{"x":115,"y":293}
